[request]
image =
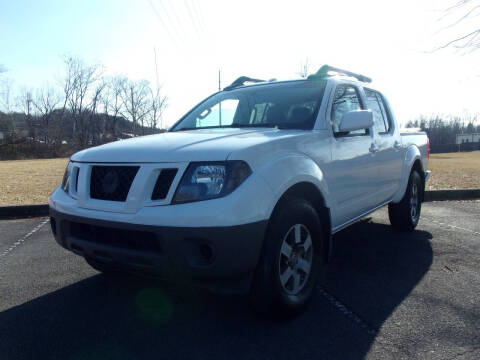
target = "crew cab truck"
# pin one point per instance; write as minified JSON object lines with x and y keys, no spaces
{"x":244,"y":192}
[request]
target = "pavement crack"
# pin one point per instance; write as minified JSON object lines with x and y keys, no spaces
{"x":22,"y":240}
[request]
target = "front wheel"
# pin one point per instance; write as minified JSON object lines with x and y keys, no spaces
{"x":405,"y":215}
{"x":285,"y":278}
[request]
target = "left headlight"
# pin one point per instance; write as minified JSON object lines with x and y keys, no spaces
{"x":210,"y":180}
{"x":66,"y":178}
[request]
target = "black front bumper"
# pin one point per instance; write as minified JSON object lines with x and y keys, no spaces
{"x":220,"y":258}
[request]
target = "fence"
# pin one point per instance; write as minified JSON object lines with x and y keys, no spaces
{"x":447,"y":148}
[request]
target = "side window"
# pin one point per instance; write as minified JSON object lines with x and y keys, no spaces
{"x":380,"y":118}
{"x":221,"y":113}
{"x":386,"y":114}
{"x":345,"y":99}
{"x":258,"y":113}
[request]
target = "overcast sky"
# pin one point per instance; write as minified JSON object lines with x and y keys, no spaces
{"x":390,"y":41}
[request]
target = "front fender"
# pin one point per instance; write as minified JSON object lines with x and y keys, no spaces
{"x":284,"y":172}
{"x":412,"y":154}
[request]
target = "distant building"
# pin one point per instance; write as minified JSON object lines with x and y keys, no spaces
{"x":1,"y":137}
{"x":467,"y":138}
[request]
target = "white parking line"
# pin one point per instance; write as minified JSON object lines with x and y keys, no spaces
{"x":346,"y":311}
{"x":452,"y":226}
{"x":23,"y":238}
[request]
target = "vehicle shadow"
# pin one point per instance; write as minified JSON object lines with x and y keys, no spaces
{"x":373,"y":270}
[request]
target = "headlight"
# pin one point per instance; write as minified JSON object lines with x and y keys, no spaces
{"x":66,"y":178}
{"x":203,"y":181}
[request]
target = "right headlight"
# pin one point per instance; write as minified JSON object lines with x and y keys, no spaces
{"x":66,"y":178}
{"x":210,"y":180}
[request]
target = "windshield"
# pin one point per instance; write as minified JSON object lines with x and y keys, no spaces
{"x":285,"y":106}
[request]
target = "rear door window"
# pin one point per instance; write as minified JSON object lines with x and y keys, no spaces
{"x":380,"y":118}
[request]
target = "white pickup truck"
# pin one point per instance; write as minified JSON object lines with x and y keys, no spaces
{"x":244,"y":193}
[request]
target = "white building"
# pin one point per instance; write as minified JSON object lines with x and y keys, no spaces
{"x":467,"y":138}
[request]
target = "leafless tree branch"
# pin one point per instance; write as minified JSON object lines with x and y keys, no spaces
{"x":467,"y":41}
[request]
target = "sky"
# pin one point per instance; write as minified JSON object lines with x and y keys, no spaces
{"x":389,"y":41}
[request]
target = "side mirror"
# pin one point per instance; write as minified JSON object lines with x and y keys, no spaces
{"x":356,"y":120}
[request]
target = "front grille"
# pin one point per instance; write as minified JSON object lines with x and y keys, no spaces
{"x":111,"y":182}
{"x":124,"y":239}
{"x":164,"y":181}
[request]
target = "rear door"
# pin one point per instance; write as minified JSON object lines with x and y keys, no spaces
{"x":387,"y":144}
{"x":352,"y":174}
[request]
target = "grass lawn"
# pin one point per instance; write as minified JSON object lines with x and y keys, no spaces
{"x":29,"y":181}
{"x":32,"y":181}
{"x":455,"y":171}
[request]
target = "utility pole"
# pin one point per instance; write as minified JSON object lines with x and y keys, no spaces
{"x":31,"y":132}
{"x":220,"y":103}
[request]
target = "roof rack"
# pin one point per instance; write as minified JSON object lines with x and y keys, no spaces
{"x":324,"y":71}
{"x":241,"y":81}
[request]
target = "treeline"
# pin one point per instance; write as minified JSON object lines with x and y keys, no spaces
{"x":444,"y":130}
{"x":85,"y":108}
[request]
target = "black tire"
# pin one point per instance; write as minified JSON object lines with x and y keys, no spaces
{"x":271,"y":296}
{"x":404,"y":216}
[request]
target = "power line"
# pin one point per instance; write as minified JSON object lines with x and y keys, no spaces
{"x":162,"y":23}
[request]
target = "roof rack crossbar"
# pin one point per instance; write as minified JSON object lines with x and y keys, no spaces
{"x":325,"y":69}
{"x":241,"y":81}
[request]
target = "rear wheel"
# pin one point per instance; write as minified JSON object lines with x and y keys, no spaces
{"x":285,"y":278}
{"x":405,"y":215}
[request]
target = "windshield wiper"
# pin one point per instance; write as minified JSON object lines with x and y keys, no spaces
{"x":238,"y":125}
{"x":203,"y":127}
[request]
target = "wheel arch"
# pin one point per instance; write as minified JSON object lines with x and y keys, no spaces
{"x":311,"y":193}
{"x":413,"y":161}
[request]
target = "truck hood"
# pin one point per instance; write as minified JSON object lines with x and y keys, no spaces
{"x":182,"y":146}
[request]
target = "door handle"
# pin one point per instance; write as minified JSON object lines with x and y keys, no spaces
{"x":397,"y":145}
{"x":373,"y":148}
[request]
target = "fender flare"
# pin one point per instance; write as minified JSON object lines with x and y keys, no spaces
{"x":305,"y":171}
{"x":412,"y":154}
{"x":291,"y":169}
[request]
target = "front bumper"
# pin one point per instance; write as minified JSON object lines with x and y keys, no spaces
{"x":220,"y":258}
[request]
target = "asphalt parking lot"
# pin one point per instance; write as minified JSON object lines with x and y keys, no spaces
{"x":385,"y":295}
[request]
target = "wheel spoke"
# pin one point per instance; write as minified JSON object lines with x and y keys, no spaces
{"x":295,"y":260}
{"x":296,"y":282}
{"x":304,"y":265}
{"x":286,"y":249}
{"x":287,"y":274}
{"x":307,"y":244}
{"x":298,"y":233}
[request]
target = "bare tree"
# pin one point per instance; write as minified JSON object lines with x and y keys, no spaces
{"x":45,"y":101}
{"x":79,"y":79}
{"x":304,"y":69}
{"x":135,"y":101}
{"x":24,"y":104}
{"x":463,"y":11}
{"x":96,"y":98}
{"x":158,"y":104}
{"x":6,"y":86}
{"x":112,"y":99}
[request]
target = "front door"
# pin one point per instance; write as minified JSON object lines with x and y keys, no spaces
{"x":351,"y":176}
